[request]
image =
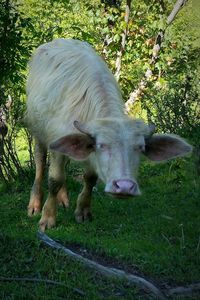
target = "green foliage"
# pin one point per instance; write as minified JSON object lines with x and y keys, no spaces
{"x":13,"y":60}
{"x":171,"y":99}
{"x":13,"y":54}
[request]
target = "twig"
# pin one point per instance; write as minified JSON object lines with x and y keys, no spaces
{"x":106,"y":271}
{"x":36,"y":280}
{"x":166,"y":239}
{"x":178,"y":5}
{"x":184,"y":291}
{"x":140,"y":282}
{"x":182,"y":239}
{"x":124,"y":36}
{"x":198,"y":245}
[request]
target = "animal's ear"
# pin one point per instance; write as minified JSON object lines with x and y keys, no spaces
{"x":160,"y":147}
{"x":77,"y":146}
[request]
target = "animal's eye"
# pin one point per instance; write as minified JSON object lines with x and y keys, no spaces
{"x":101,"y":146}
{"x":140,"y":148}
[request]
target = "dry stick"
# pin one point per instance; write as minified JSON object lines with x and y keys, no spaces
{"x":119,"y":274}
{"x":36,"y":280}
{"x":177,"y":291}
{"x":184,"y":291}
{"x":2,"y":175}
{"x":124,"y":35}
{"x":178,"y":5}
{"x":111,"y":272}
{"x":30,"y":148}
{"x":157,"y":46}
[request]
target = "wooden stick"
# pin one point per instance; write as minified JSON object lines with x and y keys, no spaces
{"x":32,"y":280}
{"x":184,"y":290}
{"x":178,"y":5}
{"x":124,"y":36}
{"x":106,"y":271}
{"x":36,"y":280}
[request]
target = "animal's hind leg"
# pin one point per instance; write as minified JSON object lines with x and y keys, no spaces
{"x":62,"y":198}
{"x":36,"y":196}
{"x":82,"y":212}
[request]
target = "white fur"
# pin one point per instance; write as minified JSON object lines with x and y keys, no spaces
{"x":68,"y":81}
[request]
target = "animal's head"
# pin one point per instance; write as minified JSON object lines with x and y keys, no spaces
{"x":113,"y":148}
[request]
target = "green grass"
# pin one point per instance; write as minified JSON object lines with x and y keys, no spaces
{"x":23,"y":256}
{"x":29,"y":259}
{"x":157,"y":234}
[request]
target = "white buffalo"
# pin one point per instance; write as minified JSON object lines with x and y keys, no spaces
{"x":75,"y":109}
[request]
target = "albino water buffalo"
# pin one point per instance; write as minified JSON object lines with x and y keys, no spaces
{"x":75,"y":109}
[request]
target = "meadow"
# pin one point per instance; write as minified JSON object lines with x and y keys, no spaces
{"x":155,"y":235}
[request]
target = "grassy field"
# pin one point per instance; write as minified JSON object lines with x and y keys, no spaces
{"x":156,"y":235}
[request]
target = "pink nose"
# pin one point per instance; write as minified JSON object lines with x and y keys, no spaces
{"x":125,"y":187}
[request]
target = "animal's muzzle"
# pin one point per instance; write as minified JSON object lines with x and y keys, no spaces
{"x":124,"y":187}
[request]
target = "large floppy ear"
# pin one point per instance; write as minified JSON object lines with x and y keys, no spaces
{"x":77,"y":146}
{"x":160,"y":147}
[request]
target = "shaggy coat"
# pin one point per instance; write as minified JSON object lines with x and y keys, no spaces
{"x":75,"y":109}
{"x":67,"y":82}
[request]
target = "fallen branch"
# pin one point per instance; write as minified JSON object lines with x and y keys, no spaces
{"x":36,"y":280}
{"x":106,"y":271}
{"x":156,"y":49}
{"x":178,"y":5}
{"x":33,"y":280}
{"x":184,"y":291}
{"x":138,"y":281}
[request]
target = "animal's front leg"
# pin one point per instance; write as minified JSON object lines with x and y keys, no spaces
{"x":48,"y":219}
{"x":83,"y":212}
{"x":62,"y":197}
{"x":56,"y":187}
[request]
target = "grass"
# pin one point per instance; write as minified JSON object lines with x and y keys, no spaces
{"x":23,"y":256}
{"x":30,"y":260}
{"x":156,"y":234}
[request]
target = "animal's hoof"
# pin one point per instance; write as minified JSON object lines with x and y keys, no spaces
{"x":62,"y":198}
{"x":83,"y":215}
{"x":33,"y":210}
{"x":47,"y":223}
{"x":64,"y":202}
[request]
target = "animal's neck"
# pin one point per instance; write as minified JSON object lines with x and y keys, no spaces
{"x":104,"y":106}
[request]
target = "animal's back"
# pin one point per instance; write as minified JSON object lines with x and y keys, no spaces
{"x":68,"y":81}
